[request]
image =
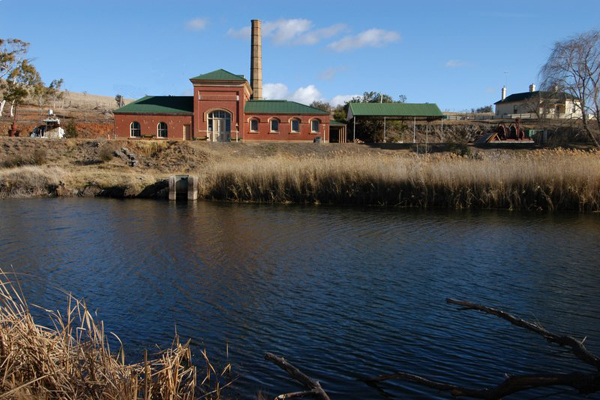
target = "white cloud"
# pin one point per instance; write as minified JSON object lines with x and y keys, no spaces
{"x":196,"y":24}
{"x":330,"y":73}
{"x":285,"y":30}
{"x":306,"y":95}
{"x":295,"y":31}
{"x":456,"y":63}
{"x":370,"y":38}
{"x":275,"y":91}
{"x":314,"y":37}
{"x":341,"y":99}
{"x":242,"y":33}
{"x":279,"y":91}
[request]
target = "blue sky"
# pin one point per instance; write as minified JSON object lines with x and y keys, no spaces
{"x":457,"y":54}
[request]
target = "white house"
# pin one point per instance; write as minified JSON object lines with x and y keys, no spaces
{"x":537,"y":104}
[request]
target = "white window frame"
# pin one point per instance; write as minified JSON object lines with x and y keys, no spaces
{"x":131,"y":129}
{"x":254,"y":120}
{"x":271,"y":125}
{"x":292,"y":125}
{"x":158,"y":130}
{"x":312,"y":130}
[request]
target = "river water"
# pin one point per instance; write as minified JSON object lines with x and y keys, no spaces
{"x":342,"y":293}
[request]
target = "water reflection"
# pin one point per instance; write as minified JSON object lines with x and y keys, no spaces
{"x":342,"y":292}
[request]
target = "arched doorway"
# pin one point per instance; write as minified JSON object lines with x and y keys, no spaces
{"x":219,"y":126}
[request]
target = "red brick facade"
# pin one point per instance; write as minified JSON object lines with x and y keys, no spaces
{"x":229,"y":96}
{"x":305,"y":133}
{"x":177,"y":125}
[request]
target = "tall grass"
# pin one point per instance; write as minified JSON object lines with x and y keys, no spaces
{"x":536,"y":180}
{"x":72,"y":359}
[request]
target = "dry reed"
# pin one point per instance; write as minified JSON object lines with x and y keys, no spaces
{"x":72,"y":359}
{"x":536,"y":180}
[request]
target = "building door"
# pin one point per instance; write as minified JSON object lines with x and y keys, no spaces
{"x":186,"y":132}
{"x":219,"y":126}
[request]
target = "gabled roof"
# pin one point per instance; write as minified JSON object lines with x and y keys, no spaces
{"x":159,"y":105}
{"x":280,"y":107}
{"x":219,"y":75}
{"x":524,"y":96}
{"x":427,"y":110}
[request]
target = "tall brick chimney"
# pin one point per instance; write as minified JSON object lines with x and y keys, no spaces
{"x":256,"y":61}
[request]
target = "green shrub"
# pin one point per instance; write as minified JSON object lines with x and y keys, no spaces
{"x":71,"y":130}
{"x":106,"y":152}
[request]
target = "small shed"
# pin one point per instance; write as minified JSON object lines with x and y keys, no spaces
{"x":337,"y":131}
{"x":395,"y":111}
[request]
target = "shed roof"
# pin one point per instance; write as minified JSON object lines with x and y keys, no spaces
{"x":335,"y":122}
{"x":280,"y":107}
{"x":219,"y":75}
{"x":159,"y":105}
{"x":402,"y":110}
{"x":524,"y":96}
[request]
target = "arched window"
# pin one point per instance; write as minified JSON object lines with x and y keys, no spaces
{"x":135,"y":130}
{"x":274,"y":125}
{"x":161,"y":130}
{"x":314,"y":126}
{"x":253,"y":125}
{"x":219,"y":121}
{"x":295,"y":125}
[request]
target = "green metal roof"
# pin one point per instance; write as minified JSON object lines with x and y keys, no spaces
{"x":159,"y":105}
{"x":428,"y":110}
{"x":335,"y":122}
{"x":280,"y":107}
{"x":219,"y":75}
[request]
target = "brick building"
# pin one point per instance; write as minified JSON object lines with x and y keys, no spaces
{"x":224,"y":107}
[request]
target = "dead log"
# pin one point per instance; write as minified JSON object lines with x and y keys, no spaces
{"x":313,"y":386}
{"x":584,"y":383}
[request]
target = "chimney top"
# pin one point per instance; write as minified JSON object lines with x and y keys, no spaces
{"x":532,"y":88}
{"x":503,"y":92}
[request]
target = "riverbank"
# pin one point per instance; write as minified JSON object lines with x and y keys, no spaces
{"x":459,"y":177}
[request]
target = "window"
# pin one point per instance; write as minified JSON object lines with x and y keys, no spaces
{"x":161,"y":130}
{"x":135,"y":129}
{"x":314,"y":126}
{"x":222,"y":118}
{"x":254,"y":125}
{"x":274,"y":125}
{"x":295,"y":126}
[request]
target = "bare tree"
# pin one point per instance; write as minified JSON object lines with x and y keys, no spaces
{"x":120,"y":101}
{"x":574,"y":68}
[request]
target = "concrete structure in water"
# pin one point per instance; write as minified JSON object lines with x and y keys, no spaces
{"x":224,"y":107}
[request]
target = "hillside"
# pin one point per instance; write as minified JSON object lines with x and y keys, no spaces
{"x":91,"y":114}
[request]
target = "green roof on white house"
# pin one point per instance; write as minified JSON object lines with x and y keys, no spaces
{"x":218,"y":75}
{"x":280,"y":107}
{"x":398,"y":110}
{"x":159,"y":105}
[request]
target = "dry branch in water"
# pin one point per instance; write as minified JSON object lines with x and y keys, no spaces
{"x":73,"y":359}
{"x":313,"y":386}
{"x":584,"y":383}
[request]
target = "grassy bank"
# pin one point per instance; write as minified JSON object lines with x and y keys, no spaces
{"x":537,"y":180}
{"x":307,"y":173}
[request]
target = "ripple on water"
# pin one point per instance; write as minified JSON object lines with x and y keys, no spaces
{"x":343,"y":293}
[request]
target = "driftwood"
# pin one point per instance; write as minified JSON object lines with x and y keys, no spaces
{"x":584,"y":383}
{"x":313,"y":386}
